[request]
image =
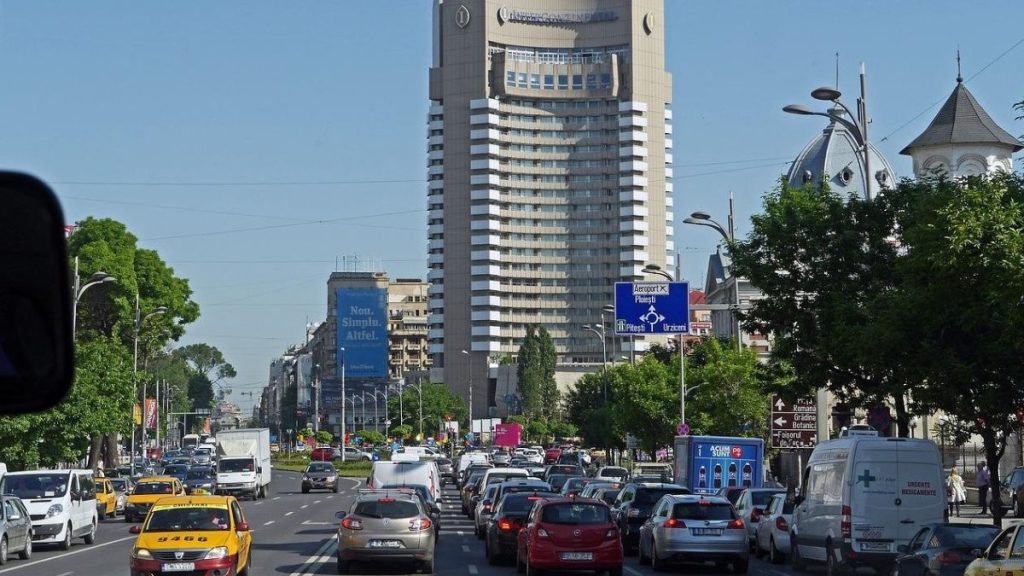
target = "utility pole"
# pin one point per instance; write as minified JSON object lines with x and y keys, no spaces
{"x":341,"y":353}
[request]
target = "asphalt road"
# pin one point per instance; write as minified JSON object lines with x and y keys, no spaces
{"x":294,"y":535}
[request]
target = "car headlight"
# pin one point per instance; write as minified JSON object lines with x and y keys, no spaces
{"x":54,"y":510}
{"x":141,"y":554}
{"x":216,"y":553}
{"x":331,"y":477}
{"x":305,"y":478}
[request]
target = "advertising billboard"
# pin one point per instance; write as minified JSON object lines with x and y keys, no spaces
{"x":362,"y":332}
{"x":706,"y":463}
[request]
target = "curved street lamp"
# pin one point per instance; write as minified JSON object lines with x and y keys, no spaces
{"x":96,"y":278}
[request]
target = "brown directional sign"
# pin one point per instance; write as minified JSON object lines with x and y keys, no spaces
{"x":794,"y":424}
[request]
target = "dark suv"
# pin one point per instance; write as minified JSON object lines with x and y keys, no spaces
{"x":633,"y":507}
{"x":1015,"y":486}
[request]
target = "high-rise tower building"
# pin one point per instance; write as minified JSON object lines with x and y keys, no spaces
{"x":550,"y":179}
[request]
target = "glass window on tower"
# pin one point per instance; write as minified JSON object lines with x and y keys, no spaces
{"x":591,"y":81}
{"x":549,"y":81}
{"x":535,"y":81}
{"x":577,"y":81}
{"x":510,"y":79}
{"x":522,"y":80}
{"x":606,"y":80}
{"x":563,"y":81}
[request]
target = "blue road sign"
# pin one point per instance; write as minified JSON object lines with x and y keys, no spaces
{"x":652,"y":308}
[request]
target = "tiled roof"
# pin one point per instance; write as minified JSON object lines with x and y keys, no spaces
{"x":961,"y":120}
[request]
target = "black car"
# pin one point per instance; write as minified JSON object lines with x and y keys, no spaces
{"x":558,"y":480}
{"x":1015,"y":489}
{"x":942,"y":548}
{"x":633,"y":507}
{"x":201,"y":478}
{"x":503,"y":526}
{"x":567,"y":469}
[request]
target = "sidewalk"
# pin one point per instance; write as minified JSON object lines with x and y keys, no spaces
{"x":971,"y":514}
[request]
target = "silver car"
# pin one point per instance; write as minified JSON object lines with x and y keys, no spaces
{"x":15,"y":529}
{"x":483,"y":510}
{"x":693,"y":528}
{"x":122,"y":486}
{"x":386,"y":526}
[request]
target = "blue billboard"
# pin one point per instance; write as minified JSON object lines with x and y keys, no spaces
{"x":362,"y":332}
{"x":706,"y":463}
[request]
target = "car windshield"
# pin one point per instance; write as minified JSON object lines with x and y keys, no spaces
{"x":320,"y":467}
{"x":235,"y":466}
{"x":35,"y":485}
{"x":119,"y":484}
{"x":761,"y":498}
{"x":575,"y":513}
{"x":154,"y":488}
{"x":199,"y":474}
{"x":614,"y":473}
{"x":421,"y":490}
{"x":703,"y":511}
{"x":175,"y":469}
{"x":648,"y":497}
{"x":177,"y":518}
{"x":387,"y":508}
{"x":969,"y":537}
{"x":521,"y":503}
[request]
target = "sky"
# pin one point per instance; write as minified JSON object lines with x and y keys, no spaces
{"x":258,"y":146}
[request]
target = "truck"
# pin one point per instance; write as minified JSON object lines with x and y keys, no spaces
{"x":243,"y":466}
{"x":189,"y":441}
{"x":705,"y":464}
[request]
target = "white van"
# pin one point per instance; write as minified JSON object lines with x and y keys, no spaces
{"x":62,"y":504}
{"x":418,"y":472}
{"x":469,"y":458}
{"x":861,"y":497}
{"x":493,"y":475}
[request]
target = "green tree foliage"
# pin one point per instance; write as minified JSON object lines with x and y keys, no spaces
{"x":647,"y":402}
{"x":530,"y":374}
{"x":438,"y":402}
{"x":402,"y":431}
{"x":205,"y":366}
{"x":371,"y":437}
{"x":726,"y":384}
{"x":548,"y":362}
{"x":585,"y":408}
{"x":324,"y":437}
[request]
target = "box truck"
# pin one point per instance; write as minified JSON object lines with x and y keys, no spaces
{"x":243,"y":468}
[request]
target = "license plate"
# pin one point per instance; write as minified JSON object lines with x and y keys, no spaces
{"x":384,"y":544}
{"x":178,"y":567}
{"x":577,"y":556}
{"x":706,"y":531}
{"x":875,"y":546}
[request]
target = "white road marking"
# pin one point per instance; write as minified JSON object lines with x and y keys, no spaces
{"x":472,"y":569}
{"x":459,"y":532}
{"x":310,"y":523}
{"x":268,"y":523}
{"x":632,"y":571}
{"x":329,"y":497}
{"x":317,"y":501}
{"x":276,"y":498}
{"x":322,"y":555}
{"x":304,"y":506}
{"x":66,"y":554}
{"x":465,"y":547}
{"x":66,"y":574}
{"x":289,"y":513}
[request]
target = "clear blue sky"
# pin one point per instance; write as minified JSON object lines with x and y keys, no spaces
{"x":253,"y":143}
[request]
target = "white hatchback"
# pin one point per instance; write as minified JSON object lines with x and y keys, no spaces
{"x":772,"y":531}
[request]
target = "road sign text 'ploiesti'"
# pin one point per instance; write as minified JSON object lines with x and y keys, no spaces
{"x":652,"y":308}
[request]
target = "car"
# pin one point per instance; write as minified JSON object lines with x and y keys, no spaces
{"x":771,"y":536}
{"x":15,"y":528}
{"x":432,"y":506}
{"x":571,"y":457}
{"x":193,"y":535}
{"x":123,"y":486}
{"x":322,"y":454}
{"x":1015,"y":491}
{"x":106,"y":498}
{"x":606,"y":495}
{"x":483,"y":509}
{"x":569,"y":534}
{"x":1002,"y":556}
{"x":444,"y":466}
{"x":320,"y":476}
{"x":201,"y":457}
{"x":943,"y":548}
{"x":201,"y":478}
{"x":594,"y":485}
{"x":504,"y":525}
{"x":567,"y":469}
{"x":501,"y":458}
{"x":574,"y":485}
{"x":516,"y":485}
{"x":557,"y":481}
{"x":352,"y":454}
{"x":730,"y":493}
{"x":533,"y":456}
{"x":468,"y":472}
{"x":385,"y":526}
{"x":468,"y":491}
{"x":633,"y":506}
{"x":750,"y":506}
{"x":179,"y":471}
{"x":694,"y":528}
{"x":658,"y":469}
{"x":147,"y":491}
{"x":616,"y":473}
{"x":61,"y":504}
{"x":551,"y":455}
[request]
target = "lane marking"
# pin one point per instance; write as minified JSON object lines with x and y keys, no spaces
{"x":465,"y":547}
{"x":329,"y":497}
{"x":632,"y":571}
{"x":276,"y":498}
{"x":66,"y":554}
{"x":472,"y":569}
{"x":311,"y":523}
{"x":317,"y":501}
{"x":289,"y":513}
{"x":268,"y":523}
{"x":322,"y":555}
{"x":66,"y":574}
{"x":304,"y":506}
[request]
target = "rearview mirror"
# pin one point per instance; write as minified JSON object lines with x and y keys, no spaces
{"x":36,"y":355}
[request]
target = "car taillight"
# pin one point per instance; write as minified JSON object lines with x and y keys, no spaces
{"x":506,"y":525}
{"x":845,"y":523}
{"x":487,"y":508}
{"x":755,"y":515}
{"x":781,"y":525}
{"x":420,"y":524}
{"x":542,"y":533}
{"x":385,"y":500}
{"x":351,"y":524}
{"x":674,"y":523}
{"x":951,"y":557}
{"x":737,"y":523}
{"x":611,"y":534}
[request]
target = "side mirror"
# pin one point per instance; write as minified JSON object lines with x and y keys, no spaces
{"x":259,"y":469}
{"x":340,"y":515}
{"x":135,"y":529}
{"x":14,"y":517}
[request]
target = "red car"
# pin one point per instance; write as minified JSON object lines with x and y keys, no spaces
{"x":322,"y":454}
{"x":569,"y":534}
{"x":551,"y":455}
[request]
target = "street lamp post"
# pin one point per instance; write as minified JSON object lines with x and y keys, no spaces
{"x":96,"y":278}
{"x":600,"y":333}
{"x":943,"y":423}
{"x":858,"y":128}
{"x":656,"y":270}
{"x":139,"y":320}
{"x":341,"y":359}
{"x":316,"y":400}
{"x":467,"y":353}
{"x":376,"y":413}
{"x":700,"y":218}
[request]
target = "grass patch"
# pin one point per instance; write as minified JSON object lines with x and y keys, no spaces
{"x":348,"y":469}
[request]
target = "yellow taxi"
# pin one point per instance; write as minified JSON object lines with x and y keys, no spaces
{"x":1003,"y":557}
{"x":147,"y":491}
{"x":106,"y":498}
{"x":197,"y":535}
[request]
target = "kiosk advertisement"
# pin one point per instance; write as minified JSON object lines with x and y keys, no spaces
{"x":704,"y":464}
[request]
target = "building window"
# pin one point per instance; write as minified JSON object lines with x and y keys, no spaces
{"x":606,"y":81}
{"x":549,"y":82}
{"x":591,"y":81}
{"x":563,"y":82}
{"x":522,"y":80}
{"x":577,"y":81}
{"x":510,"y":79}
{"x":535,"y":81}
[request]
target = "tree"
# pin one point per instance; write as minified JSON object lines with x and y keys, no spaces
{"x":585,"y":408}
{"x":548,"y":357}
{"x":439,"y":403}
{"x":324,"y":437}
{"x":727,"y":384}
{"x":371,"y":437}
{"x":530,"y":374}
{"x":206,"y":366}
{"x":402,"y":431}
{"x":647,"y":402}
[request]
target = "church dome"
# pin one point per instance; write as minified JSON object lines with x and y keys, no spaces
{"x":836,"y":154}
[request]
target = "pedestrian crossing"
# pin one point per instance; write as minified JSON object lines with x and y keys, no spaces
{"x":452,"y":518}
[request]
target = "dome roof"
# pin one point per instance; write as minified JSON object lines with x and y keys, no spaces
{"x":961,"y":120}
{"x":835,"y":153}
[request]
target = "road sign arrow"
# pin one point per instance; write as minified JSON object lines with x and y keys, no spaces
{"x":780,"y":421}
{"x":779,"y":404}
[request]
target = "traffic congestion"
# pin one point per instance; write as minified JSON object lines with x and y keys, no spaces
{"x":479,"y":511}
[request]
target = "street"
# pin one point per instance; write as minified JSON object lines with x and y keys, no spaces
{"x":294,"y":535}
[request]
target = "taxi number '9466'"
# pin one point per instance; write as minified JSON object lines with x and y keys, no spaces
{"x":181,"y":539}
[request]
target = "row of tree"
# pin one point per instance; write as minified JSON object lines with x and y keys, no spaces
{"x":97,"y":413}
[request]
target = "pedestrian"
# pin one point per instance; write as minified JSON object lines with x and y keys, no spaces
{"x":981,"y":480}
{"x":955,"y":491}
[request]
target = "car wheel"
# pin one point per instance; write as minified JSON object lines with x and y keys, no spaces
{"x":102,"y":513}
{"x":831,"y":567}
{"x":305,"y":490}
{"x":520,"y":567}
{"x":740,"y":566}
{"x":656,"y":564}
{"x":480,"y":535}
{"x":640,"y":556}
{"x":3,"y":550}
{"x":127,"y":517}
{"x":27,"y":552}
{"x":774,"y":555}
{"x":533,"y":571}
{"x":796,"y":560}
{"x":91,"y":536}
{"x":335,"y":487}
{"x":617,"y":571}
{"x":492,"y":558}
{"x":1018,"y":509}
{"x":428,"y":567}
{"x":343,"y":566}
{"x":66,"y":544}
